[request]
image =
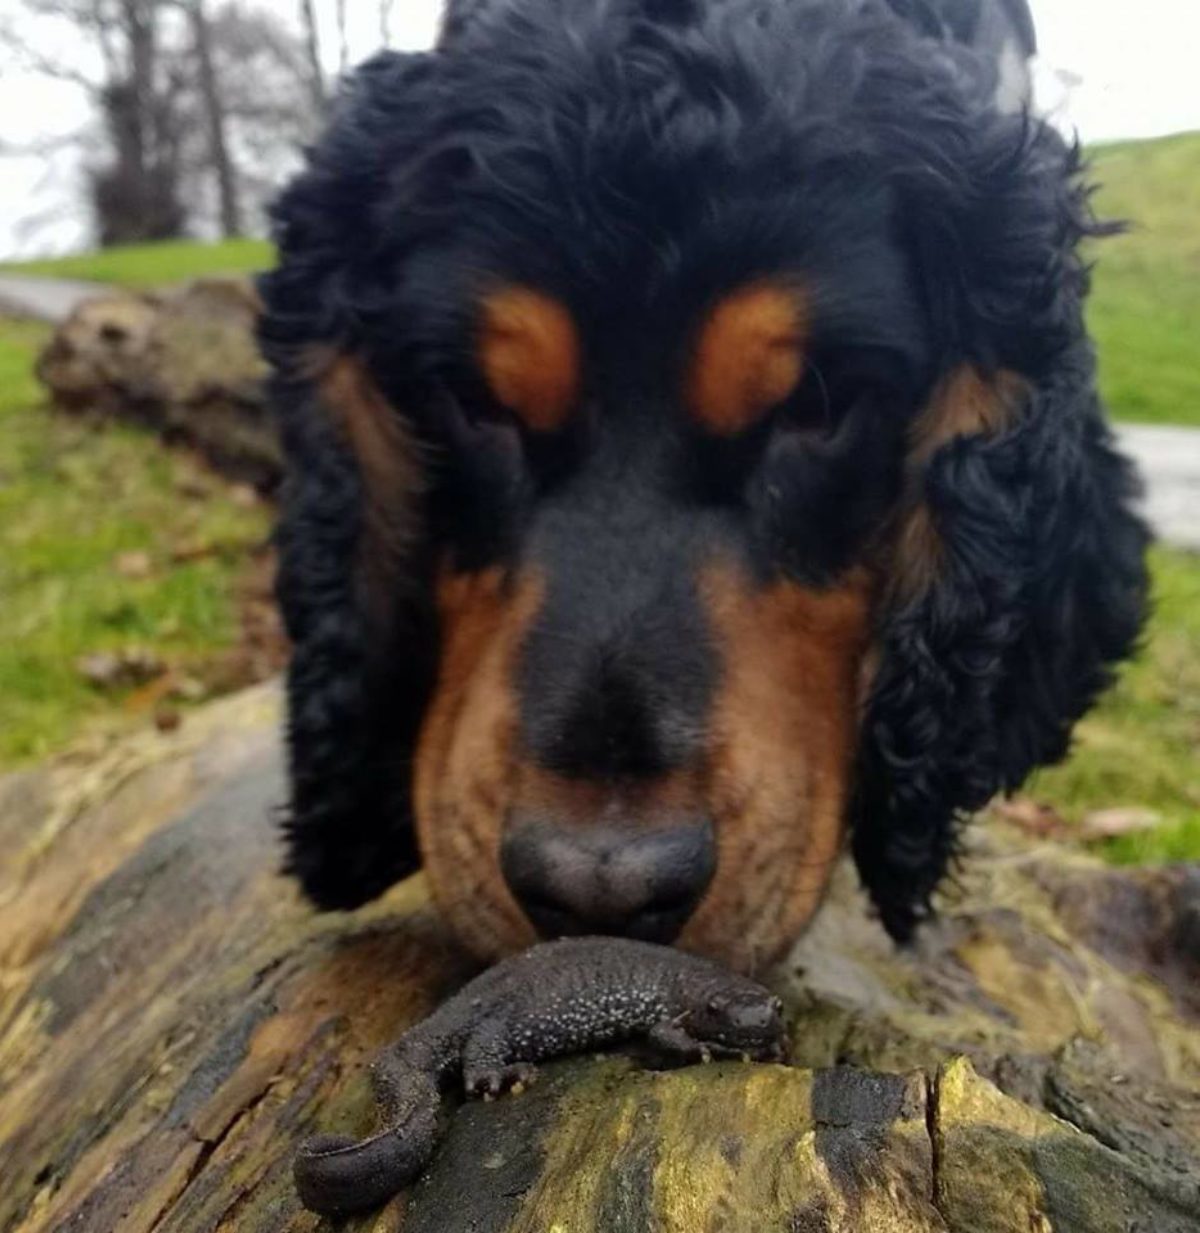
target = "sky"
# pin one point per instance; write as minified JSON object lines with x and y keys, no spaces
{"x":1106,"y":70}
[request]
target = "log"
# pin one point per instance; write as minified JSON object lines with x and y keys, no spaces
{"x":182,"y":362}
{"x":173,"y":1020}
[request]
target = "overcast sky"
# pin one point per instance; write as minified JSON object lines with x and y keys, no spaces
{"x":1107,"y":70}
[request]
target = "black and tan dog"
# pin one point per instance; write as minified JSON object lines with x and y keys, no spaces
{"x":695,"y":458}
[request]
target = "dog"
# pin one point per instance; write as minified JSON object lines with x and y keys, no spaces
{"x":695,"y":461}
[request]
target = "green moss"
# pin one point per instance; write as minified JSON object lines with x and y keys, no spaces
{"x":73,"y":498}
{"x":154,"y":265}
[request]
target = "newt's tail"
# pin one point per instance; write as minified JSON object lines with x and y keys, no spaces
{"x":337,"y":1175}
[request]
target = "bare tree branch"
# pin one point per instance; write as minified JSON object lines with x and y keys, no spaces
{"x":100,"y":24}
{"x":31,"y":224}
{"x":203,"y":107}
{"x":42,"y":147}
{"x":210,"y":97}
{"x":29,"y":59}
{"x":343,"y":44}
{"x":312,"y":45}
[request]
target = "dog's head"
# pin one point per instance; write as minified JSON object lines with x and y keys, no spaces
{"x":693,"y":451}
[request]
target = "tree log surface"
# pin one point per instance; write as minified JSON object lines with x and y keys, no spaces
{"x":174,"y":1020}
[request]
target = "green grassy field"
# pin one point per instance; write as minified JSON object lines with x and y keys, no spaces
{"x":1141,"y":747}
{"x":154,"y":265}
{"x":75,"y":497}
{"x":1145,"y":310}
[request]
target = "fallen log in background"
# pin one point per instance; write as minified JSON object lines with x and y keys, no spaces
{"x":173,"y":1020}
{"x":182,"y":362}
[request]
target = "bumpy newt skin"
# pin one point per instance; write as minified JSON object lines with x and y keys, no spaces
{"x":553,"y":999}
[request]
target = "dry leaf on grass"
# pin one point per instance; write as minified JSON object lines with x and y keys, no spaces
{"x":1112,"y":823}
{"x":120,"y":669}
{"x":1032,"y":817}
{"x":133,"y":565}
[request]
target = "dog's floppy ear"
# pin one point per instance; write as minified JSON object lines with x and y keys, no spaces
{"x":1017,"y":575}
{"x":353,"y":574}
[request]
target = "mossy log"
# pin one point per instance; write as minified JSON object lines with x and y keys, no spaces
{"x":173,"y":1020}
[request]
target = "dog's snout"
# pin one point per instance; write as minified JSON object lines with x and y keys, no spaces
{"x":578,"y":880}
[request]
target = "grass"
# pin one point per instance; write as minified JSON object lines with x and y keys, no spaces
{"x":1141,"y":746}
{"x":73,"y":497}
{"x":1145,"y":309}
{"x":153,"y":265}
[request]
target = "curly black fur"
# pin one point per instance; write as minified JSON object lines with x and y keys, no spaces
{"x":634,"y":158}
{"x":1042,"y":587}
{"x":349,"y":826}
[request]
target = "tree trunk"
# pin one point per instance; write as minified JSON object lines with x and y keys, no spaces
{"x":136,"y":197}
{"x":312,"y":47}
{"x":214,"y":111}
{"x":343,"y":42}
{"x":173,"y":1020}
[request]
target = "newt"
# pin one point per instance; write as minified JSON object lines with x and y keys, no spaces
{"x":554,"y":999}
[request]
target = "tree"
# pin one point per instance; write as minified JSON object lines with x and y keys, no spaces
{"x":385,"y":22}
{"x":214,"y":112}
{"x":200,"y":112}
{"x":272,"y":105}
{"x":312,"y":47}
{"x":343,"y":41}
{"x":135,"y":194}
{"x":134,"y":84}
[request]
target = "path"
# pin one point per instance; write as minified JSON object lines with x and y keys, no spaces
{"x":1169,"y":459}
{"x":45,"y":299}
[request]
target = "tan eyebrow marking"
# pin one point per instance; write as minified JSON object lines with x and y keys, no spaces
{"x":749,"y":356}
{"x":529,"y":352}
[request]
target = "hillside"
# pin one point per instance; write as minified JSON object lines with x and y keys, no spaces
{"x":144,"y":266}
{"x":1146,"y":308}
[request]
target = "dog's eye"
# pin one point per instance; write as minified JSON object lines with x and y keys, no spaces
{"x":820,"y":404}
{"x":472,"y":420}
{"x":808,"y":409}
{"x":482,"y":441}
{"x":834,"y":389}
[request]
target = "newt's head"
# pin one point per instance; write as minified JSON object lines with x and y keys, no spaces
{"x":739,"y":1018}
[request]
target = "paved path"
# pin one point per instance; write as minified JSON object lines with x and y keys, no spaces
{"x":45,"y":299}
{"x":1169,"y":458}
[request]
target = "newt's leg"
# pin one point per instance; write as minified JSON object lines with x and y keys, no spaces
{"x":672,"y":1045}
{"x":488,"y":1068}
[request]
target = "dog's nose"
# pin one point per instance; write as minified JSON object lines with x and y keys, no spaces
{"x":638,"y":884}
